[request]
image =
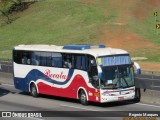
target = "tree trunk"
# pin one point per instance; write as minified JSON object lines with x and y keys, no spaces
{"x":7,"y":16}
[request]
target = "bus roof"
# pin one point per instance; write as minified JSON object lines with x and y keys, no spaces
{"x":95,"y":50}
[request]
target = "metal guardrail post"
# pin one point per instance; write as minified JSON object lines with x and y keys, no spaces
{"x":152,"y":79}
{"x":8,"y":65}
{"x":0,"y":67}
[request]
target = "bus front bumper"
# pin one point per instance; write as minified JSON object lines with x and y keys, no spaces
{"x":117,"y":96}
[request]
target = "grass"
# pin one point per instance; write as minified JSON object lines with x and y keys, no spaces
{"x":62,"y":22}
{"x":53,"y":22}
{"x":147,"y":30}
{"x":147,"y":27}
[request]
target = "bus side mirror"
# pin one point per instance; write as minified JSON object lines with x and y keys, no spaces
{"x":99,"y":72}
{"x":137,"y":67}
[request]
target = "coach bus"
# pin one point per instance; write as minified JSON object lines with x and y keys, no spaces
{"x":86,"y":72}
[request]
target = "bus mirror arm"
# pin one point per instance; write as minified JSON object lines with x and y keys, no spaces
{"x":132,"y":63}
{"x":99,"y":72}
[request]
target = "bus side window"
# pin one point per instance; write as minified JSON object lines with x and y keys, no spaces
{"x":28,"y":61}
{"x":35,"y":58}
{"x":83,"y":62}
{"x":64,"y":60}
{"x":92,"y":67}
{"x":56,"y":60}
{"x":73,"y":61}
{"x":48,"y":59}
{"x":67,"y":61}
{"x":43,"y":58}
{"x":24,"y":60}
{"x":78,"y":61}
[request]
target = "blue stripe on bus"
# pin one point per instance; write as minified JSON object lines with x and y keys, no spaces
{"x":34,"y":75}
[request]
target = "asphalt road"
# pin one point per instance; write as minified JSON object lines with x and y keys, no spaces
{"x":15,"y":100}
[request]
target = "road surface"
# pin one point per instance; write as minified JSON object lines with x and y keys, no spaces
{"x":15,"y":100}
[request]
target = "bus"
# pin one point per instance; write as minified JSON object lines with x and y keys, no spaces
{"x":85,"y":72}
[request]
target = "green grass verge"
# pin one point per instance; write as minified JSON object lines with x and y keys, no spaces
{"x":53,"y":22}
{"x":146,"y":29}
{"x":62,"y":22}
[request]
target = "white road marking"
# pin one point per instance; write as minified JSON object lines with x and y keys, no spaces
{"x":7,"y":84}
{"x":147,"y":104}
{"x":77,"y":107}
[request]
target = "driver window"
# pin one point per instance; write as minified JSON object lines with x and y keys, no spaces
{"x":92,"y":67}
{"x":93,"y":72}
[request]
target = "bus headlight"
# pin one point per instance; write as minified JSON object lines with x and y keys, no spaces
{"x":104,"y":94}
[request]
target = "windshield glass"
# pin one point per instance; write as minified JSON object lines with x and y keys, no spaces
{"x":117,"y":72}
{"x":117,"y":77}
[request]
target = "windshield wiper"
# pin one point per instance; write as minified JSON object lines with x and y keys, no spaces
{"x":119,"y":75}
{"x":125,"y":80}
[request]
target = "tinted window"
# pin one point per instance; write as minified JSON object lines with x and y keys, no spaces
{"x":56,"y":60}
{"x":74,"y":61}
{"x":17,"y":56}
{"x":67,"y":61}
{"x":81,"y":62}
{"x":78,"y":61}
{"x":45,"y":59}
{"x":22,"y":57}
{"x":26,"y":58}
{"x":36,"y":58}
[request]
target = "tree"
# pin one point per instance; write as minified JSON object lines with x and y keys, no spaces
{"x":5,"y":6}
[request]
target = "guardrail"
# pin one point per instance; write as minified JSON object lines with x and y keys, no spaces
{"x":6,"y":66}
{"x":148,"y":81}
{"x":150,"y":72}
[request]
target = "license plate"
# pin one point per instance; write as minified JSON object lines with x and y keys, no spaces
{"x":120,"y":98}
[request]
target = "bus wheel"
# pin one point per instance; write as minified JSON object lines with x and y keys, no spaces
{"x":34,"y":90}
{"x":137,"y":95}
{"x":83,"y":98}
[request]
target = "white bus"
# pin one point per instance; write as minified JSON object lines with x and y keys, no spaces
{"x":85,"y":72}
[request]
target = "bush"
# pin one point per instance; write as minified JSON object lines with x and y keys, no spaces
{"x":7,"y":7}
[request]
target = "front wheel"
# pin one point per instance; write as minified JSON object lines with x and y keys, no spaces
{"x":137,"y":95}
{"x":83,"y":98}
{"x":34,"y":90}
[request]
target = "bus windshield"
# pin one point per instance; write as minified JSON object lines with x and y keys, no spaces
{"x":117,"y":72}
{"x":114,"y":77}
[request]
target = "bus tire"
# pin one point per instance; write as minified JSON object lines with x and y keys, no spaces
{"x":83,"y":97}
{"x":33,"y":90}
{"x":137,"y":95}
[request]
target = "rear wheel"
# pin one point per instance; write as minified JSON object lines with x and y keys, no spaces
{"x":83,"y":98}
{"x":34,"y":90}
